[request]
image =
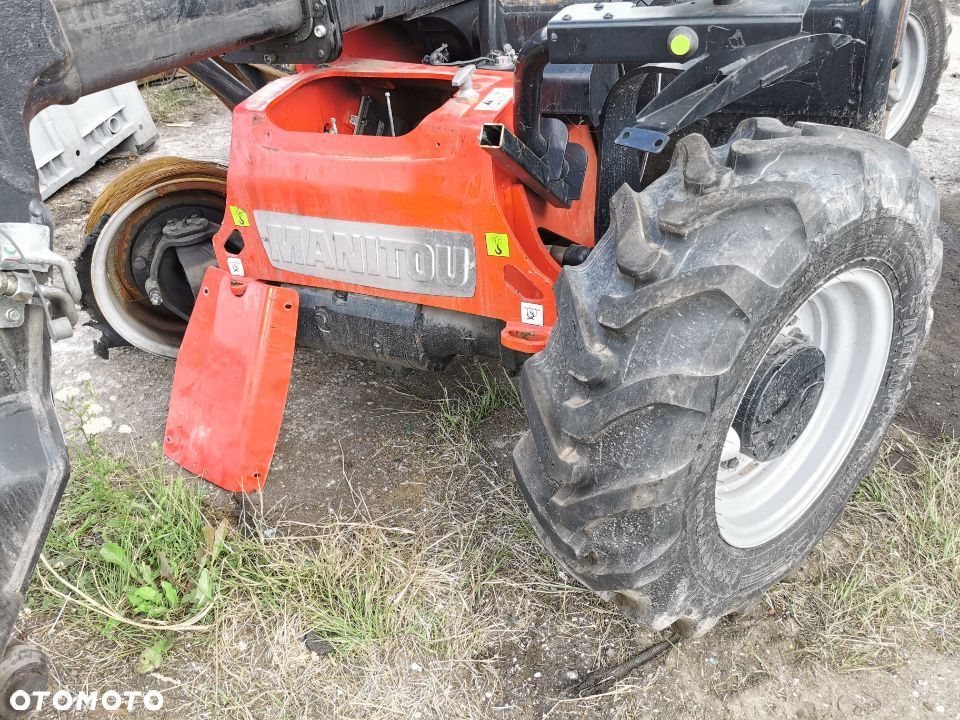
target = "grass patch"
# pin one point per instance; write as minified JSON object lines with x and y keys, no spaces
{"x":462,"y":413}
{"x":173,"y":100}
{"x":137,"y":557}
{"x":456,"y":609}
{"x":290,"y":618}
{"x":888,"y":575}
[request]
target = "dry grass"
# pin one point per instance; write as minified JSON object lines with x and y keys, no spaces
{"x":458,"y":612}
{"x":888,"y":576}
{"x":417,"y":618}
{"x":174,"y":100}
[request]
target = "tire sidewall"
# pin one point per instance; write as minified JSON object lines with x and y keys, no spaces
{"x":729,"y":573}
{"x":932,"y":16}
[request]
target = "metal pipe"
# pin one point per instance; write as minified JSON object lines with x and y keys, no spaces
{"x":491,"y":37}
{"x":219,"y":81}
{"x":528,"y":92}
{"x":115,"y":41}
{"x":68,"y":272}
{"x":61,"y":298}
{"x":253,"y":75}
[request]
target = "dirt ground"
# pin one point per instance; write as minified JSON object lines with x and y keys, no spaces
{"x":348,"y":432}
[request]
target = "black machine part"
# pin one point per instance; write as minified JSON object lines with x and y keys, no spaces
{"x":781,"y":398}
{"x":626,"y":32}
{"x":22,"y":669}
{"x":33,"y":459}
{"x":179,"y":235}
{"x":729,"y":51}
{"x":392,"y":332}
{"x":715,"y":81}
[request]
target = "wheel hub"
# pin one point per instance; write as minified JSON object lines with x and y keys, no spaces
{"x":782,"y":397}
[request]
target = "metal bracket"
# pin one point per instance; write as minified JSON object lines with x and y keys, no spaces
{"x":557,"y":177}
{"x":463,"y":81}
{"x":628,"y":32}
{"x":26,"y":247}
{"x":176,"y":234}
{"x":720,"y":79}
{"x":318,"y":40}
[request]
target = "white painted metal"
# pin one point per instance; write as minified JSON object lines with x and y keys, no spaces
{"x":905,"y":87}
{"x":850,"y":318}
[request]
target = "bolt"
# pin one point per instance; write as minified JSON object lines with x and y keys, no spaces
{"x":156,"y":298}
{"x":269,"y":58}
{"x":320,"y":31}
{"x":598,"y":6}
{"x":608,"y":16}
{"x":837,"y":24}
{"x":139,"y":263}
{"x":13,"y":315}
{"x":554,"y":37}
{"x":568,"y":17}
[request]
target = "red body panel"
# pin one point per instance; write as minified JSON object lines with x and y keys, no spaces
{"x":231,"y":381}
{"x":434,"y":177}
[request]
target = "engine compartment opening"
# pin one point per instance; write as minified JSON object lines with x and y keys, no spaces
{"x":370,"y":106}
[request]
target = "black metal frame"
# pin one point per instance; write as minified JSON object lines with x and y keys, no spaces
{"x":739,"y":49}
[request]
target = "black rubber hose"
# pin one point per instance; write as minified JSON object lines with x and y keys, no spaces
{"x":599,"y":680}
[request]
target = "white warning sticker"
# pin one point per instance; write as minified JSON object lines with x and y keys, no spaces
{"x":235,"y":265}
{"x":496,"y":99}
{"x":531,"y":314}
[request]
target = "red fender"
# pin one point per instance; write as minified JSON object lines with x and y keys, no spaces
{"x":231,"y":381}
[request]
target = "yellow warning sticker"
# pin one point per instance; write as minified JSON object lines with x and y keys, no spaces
{"x":498,"y":244}
{"x":240,"y":217}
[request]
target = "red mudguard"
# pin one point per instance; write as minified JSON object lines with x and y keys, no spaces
{"x":231,"y":381}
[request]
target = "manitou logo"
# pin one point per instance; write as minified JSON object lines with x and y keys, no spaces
{"x":430,"y":262}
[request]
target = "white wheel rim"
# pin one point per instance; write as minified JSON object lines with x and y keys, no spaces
{"x":850,"y":318}
{"x":908,"y":78}
{"x":135,"y":331}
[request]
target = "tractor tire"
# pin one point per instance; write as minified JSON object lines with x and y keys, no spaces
{"x":923,"y":59}
{"x":661,"y":332}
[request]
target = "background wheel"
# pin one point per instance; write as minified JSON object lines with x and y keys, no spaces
{"x":123,"y":229}
{"x":725,"y":366}
{"x":923,"y":58}
{"x":22,"y":668}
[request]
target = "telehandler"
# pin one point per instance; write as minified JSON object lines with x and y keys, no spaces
{"x":681,"y":223}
